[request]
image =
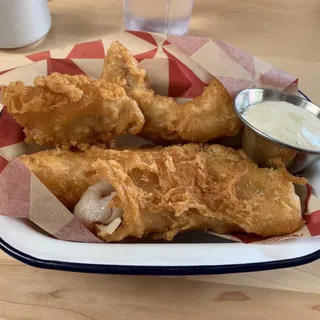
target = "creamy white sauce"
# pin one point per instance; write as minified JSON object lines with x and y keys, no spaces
{"x":286,"y":122}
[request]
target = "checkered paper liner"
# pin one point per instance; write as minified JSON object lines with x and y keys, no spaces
{"x":177,"y":66}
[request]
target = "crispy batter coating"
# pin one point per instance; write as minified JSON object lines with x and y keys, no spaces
{"x":63,"y":110}
{"x":164,"y":191}
{"x":122,"y":68}
{"x":206,"y":118}
{"x":66,"y":174}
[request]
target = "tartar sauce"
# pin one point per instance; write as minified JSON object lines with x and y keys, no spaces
{"x":286,"y":122}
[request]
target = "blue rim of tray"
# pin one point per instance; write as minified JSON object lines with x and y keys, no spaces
{"x":157,"y":270}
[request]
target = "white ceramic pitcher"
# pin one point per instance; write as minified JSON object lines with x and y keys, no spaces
{"x":23,"y":22}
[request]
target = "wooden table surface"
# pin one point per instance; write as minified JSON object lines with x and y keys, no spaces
{"x":285,"y":33}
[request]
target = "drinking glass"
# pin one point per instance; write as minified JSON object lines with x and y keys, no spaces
{"x":162,"y":16}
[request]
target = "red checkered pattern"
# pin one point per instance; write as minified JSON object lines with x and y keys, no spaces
{"x":10,"y":131}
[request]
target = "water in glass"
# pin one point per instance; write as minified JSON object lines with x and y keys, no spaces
{"x":163,"y":16}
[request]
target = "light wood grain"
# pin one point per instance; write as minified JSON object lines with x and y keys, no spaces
{"x":285,"y":33}
{"x":41,"y":294}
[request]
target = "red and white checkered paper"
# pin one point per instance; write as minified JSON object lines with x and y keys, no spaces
{"x":177,"y":66}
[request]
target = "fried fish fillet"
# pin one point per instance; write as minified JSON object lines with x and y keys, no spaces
{"x":63,"y":110}
{"x":164,"y":191}
{"x":207,"y":117}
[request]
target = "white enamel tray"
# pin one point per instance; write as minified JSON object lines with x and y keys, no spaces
{"x":191,"y":253}
{"x":25,"y":242}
